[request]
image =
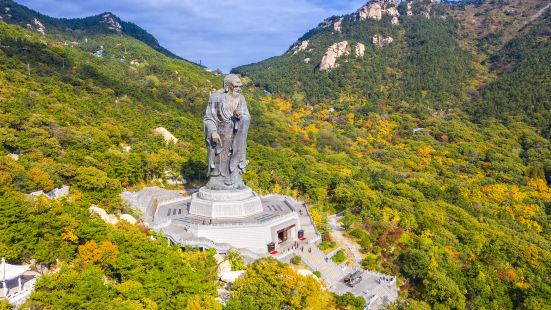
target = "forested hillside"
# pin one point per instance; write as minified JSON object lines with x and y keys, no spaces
{"x":522,"y":91}
{"x":434,"y":145}
{"x":67,"y":114}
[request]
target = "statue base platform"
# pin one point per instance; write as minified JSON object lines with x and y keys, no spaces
{"x":231,"y":219}
{"x":225,"y":203}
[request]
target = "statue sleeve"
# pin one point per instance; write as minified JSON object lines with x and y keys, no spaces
{"x":245,"y":122}
{"x":245,"y":110}
{"x":209,"y":121}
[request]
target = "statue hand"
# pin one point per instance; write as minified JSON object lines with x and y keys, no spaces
{"x":216,"y":138}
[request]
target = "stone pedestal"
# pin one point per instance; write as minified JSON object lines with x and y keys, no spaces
{"x":225,"y":203}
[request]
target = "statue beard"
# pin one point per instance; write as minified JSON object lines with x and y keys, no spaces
{"x":233,"y":95}
{"x":233,"y":100}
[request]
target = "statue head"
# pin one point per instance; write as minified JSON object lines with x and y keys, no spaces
{"x":232,"y":84}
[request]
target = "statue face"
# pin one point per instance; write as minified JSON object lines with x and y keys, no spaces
{"x":235,"y":87}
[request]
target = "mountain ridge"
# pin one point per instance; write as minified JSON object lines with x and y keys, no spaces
{"x":106,"y":22}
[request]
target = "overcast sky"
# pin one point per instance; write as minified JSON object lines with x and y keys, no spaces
{"x":220,"y":34}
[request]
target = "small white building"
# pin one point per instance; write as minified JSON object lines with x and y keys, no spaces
{"x":12,"y":272}
{"x":8,"y":274}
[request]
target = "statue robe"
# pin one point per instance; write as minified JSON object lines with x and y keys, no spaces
{"x":227,"y":160}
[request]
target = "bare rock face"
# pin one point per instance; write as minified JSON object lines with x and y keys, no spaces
{"x":108,"y":218}
{"x":129,"y":218}
{"x":55,"y":193}
{"x":39,"y":27}
{"x":112,"y":23}
{"x":381,"y":40}
{"x":300,"y":46}
{"x":375,"y":9}
{"x":395,"y":20}
{"x":169,"y":137}
{"x":338,"y":25}
{"x":307,"y":60}
{"x":329,"y":60}
{"x":359,"y":51}
{"x":230,"y":277}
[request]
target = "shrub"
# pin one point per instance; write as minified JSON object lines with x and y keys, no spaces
{"x":296,"y":260}
{"x":339,"y":257}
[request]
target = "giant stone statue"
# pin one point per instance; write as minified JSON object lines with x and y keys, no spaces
{"x":226,"y":123}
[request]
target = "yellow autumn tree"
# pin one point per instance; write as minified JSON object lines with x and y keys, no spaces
{"x":280,"y":287}
{"x":40,"y":179}
{"x":103,"y":255}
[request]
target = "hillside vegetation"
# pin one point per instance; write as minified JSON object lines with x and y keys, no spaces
{"x":522,"y":90}
{"x":437,"y":185}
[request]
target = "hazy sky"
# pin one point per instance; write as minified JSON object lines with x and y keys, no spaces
{"x":220,"y":34}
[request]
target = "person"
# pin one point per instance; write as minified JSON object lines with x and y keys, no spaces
{"x":226,"y":123}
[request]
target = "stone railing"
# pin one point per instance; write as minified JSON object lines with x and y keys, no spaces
{"x":162,"y":224}
{"x":231,"y":224}
{"x":162,"y":202}
{"x":284,"y":255}
{"x":19,"y":297}
{"x":220,"y":247}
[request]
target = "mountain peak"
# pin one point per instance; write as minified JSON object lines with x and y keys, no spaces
{"x":375,"y":9}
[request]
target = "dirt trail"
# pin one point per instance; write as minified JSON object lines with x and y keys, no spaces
{"x":535,"y":16}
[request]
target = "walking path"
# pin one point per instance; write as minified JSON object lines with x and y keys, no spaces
{"x":337,"y":233}
{"x":376,"y":288}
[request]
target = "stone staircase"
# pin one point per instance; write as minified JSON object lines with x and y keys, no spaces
{"x":316,"y":260}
